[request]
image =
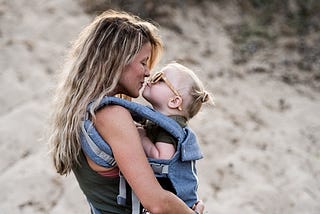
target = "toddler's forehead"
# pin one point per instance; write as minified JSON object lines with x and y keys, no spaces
{"x":175,"y":73}
{"x":169,"y":70}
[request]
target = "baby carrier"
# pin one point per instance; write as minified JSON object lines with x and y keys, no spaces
{"x":180,"y":169}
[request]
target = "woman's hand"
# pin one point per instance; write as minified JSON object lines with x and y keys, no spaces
{"x":198,"y":207}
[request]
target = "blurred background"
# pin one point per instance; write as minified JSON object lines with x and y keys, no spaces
{"x":260,"y":59}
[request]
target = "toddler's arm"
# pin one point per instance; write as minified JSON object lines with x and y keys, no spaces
{"x":158,"y":150}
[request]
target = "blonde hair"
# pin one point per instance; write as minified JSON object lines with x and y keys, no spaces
{"x":96,"y":61}
{"x":191,"y":89}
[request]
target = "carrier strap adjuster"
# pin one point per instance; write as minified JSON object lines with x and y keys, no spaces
{"x":160,"y":168}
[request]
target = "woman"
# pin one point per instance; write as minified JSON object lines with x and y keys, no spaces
{"x":112,"y":56}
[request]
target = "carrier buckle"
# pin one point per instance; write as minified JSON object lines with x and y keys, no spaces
{"x":160,"y":168}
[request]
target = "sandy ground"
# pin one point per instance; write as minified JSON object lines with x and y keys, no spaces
{"x":261,"y":140}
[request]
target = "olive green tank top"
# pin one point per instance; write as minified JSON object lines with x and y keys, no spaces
{"x":101,"y":191}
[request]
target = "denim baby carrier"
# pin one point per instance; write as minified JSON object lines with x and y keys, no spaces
{"x":180,"y":169}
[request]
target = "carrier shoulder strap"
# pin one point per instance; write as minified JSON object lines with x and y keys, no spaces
{"x":99,"y":151}
{"x":146,"y":112}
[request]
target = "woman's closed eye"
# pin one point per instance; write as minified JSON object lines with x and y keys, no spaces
{"x":144,"y":62}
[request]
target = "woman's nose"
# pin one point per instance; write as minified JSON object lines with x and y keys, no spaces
{"x":147,"y":72}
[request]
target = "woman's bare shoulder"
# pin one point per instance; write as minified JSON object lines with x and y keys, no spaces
{"x":113,"y":118}
{"x":112,"y":112}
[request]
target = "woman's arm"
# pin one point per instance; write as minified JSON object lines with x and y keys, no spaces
{"x":116,"y":126}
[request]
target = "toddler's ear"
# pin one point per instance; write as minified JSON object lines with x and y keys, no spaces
{"x":175,"y":102}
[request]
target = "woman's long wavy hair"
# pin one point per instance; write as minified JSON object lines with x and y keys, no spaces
{"x":93,"y":69}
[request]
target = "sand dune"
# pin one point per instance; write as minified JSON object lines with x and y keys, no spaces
{"x":261,"y":140}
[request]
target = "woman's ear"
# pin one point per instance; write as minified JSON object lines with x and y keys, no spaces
{"x":175,"y":102}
